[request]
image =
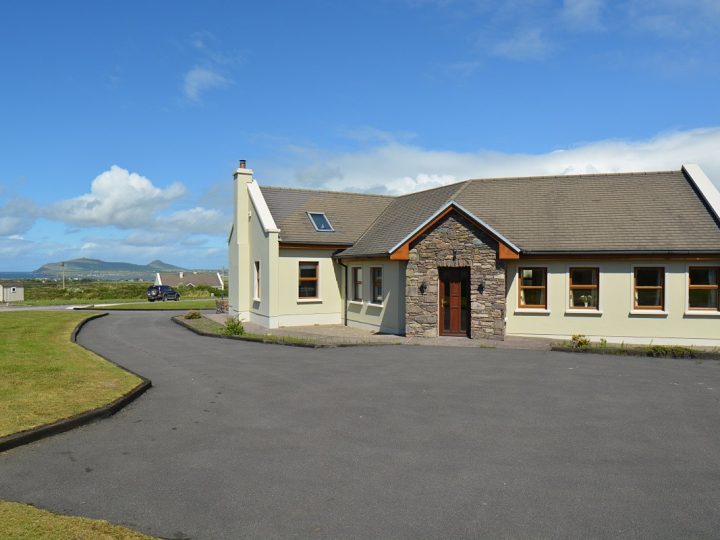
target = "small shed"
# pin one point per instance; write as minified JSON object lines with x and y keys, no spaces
{"x":12,"y":292}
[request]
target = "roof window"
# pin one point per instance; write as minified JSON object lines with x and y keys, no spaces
{"x":320,"y":221}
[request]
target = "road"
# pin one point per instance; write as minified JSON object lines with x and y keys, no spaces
{"x":243,"y":440}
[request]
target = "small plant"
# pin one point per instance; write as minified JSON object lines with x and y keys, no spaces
{"x":603,"y":343}
{"x":193,"y":315}
{"x":233,"y":327}
{"x":579,"y":341}
{"x":672,"y":351}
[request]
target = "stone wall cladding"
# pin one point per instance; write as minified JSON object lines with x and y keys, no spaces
{"x":474,"y":250}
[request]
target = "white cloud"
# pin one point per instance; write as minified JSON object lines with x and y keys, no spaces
{"x":397,"y":168}
{"x":196,"y":220}
{"x":118,"y":198}
{"x":582,"y":14}
{"x":17,"y":217}
{"x":199,"y":80}
{"x":524,"y":45}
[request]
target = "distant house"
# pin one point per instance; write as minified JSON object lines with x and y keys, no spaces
{"x":628,"y":257}
{"x":12,"y":292}
{"x":190,"y":279}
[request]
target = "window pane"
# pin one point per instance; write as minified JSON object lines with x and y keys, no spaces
{"x":704,"y":298}
{"x":533,"y":276}
{"x":307,"y":289}
{"x":377,"y":285}
{"x":703,"y":276}
{"x":533,"y":297}
{"x":320,"y":221}
{"x":649,"y":297}
{"x":648,"y":277}
{"x":581,"y":298}
{"x":308,"y":270}
{"x":583,"y":276}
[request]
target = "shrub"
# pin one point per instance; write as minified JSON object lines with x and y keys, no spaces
{"x":579,"y":341}
{"x":603,"y":342}
{"x":193,"y":315}
{"x":233,"y":327}
{"x":673,"y":351}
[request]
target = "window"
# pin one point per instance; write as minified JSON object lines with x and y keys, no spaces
{"x":649,"y":290}
{"x":377,"y":289}
{"x":256,"y":290}
{"x":533,"y":287}
{"x":357,"y":284}
{"x":703,"y":285}
{"x":584,"y":288}
{"x":308,"y":280}
{"x":320,"y":221}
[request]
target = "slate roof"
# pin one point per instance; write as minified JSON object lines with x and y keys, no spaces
{"x":654,"y":212}
{"x":350,"y":214}
{"x":173,"y":279}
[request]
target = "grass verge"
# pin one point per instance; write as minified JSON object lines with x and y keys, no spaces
{"x":182,"y":305}
{"x":206,"y":326}
{"x":44,"y":377}
{"x":654,"y":351}
{"x":24,"y":522}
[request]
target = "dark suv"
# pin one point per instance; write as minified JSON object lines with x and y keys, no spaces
{"x":162,"y":293}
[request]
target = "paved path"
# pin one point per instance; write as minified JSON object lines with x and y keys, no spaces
{"x":244,"y":440}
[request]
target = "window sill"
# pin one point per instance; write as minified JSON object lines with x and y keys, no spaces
{"x":702,"y":313}
{"x":355,"y":302}
{"x":373,"y":304}
{"x":649,"y":312}
{"x":590,"y":312}
{"x":256,"y":300}
{"x":532,"y":311}
{"x":309,"y":300}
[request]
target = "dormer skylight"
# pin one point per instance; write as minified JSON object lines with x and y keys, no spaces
{"x":320,"y":221}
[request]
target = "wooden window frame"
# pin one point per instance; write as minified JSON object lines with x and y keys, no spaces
{"x":522,"y":287}
{"x":357,"y":280}
{"x":375,"y":272}
{"x":256,"y":289}
{"x":716,"y":287}
{"x":596,"y":286}
{"x":661,"y":287}
{"x":316,"y":279}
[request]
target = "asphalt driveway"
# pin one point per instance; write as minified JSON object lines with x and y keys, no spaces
{"x":241,"y":440}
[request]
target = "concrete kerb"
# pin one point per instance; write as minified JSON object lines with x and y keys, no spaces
{"x":697,"y":355}
{"x":66,"y":424}
{"x":276,"y":341}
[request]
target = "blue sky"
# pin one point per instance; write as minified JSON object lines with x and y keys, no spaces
{"x":121,"y":122}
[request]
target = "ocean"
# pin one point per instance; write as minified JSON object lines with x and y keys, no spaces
{"x":21,"y":275}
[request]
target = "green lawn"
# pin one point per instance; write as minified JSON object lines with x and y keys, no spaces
{"x":44,"y":377}
{"x":206,"y":303}
{"x":23,"y":522}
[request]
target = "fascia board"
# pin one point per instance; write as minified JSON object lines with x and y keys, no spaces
{"x":261,"y":207}
{"x":708,"y":191}
{"x":462,"y":209}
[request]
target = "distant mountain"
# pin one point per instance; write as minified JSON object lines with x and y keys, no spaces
{"x":96,"y":266}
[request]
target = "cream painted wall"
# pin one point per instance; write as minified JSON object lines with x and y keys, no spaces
{"x":388,"y":317}
{"x":293,"y":311}
{"x":616,"y":320}
{"x":263,"y":247}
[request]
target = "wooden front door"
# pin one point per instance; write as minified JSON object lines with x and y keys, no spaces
{"x":454,"y":301}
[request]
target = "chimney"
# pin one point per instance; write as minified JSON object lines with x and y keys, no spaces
{"x":242,"y":164}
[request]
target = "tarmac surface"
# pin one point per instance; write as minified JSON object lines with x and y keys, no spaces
{"x":245,"y":440}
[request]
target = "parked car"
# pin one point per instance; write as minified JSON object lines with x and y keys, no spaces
{"x":162,"y":293}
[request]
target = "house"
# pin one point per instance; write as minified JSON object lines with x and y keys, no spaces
{"x":12,"y":292}
{"x":628,"y":257}
{"x":190,"y":279}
